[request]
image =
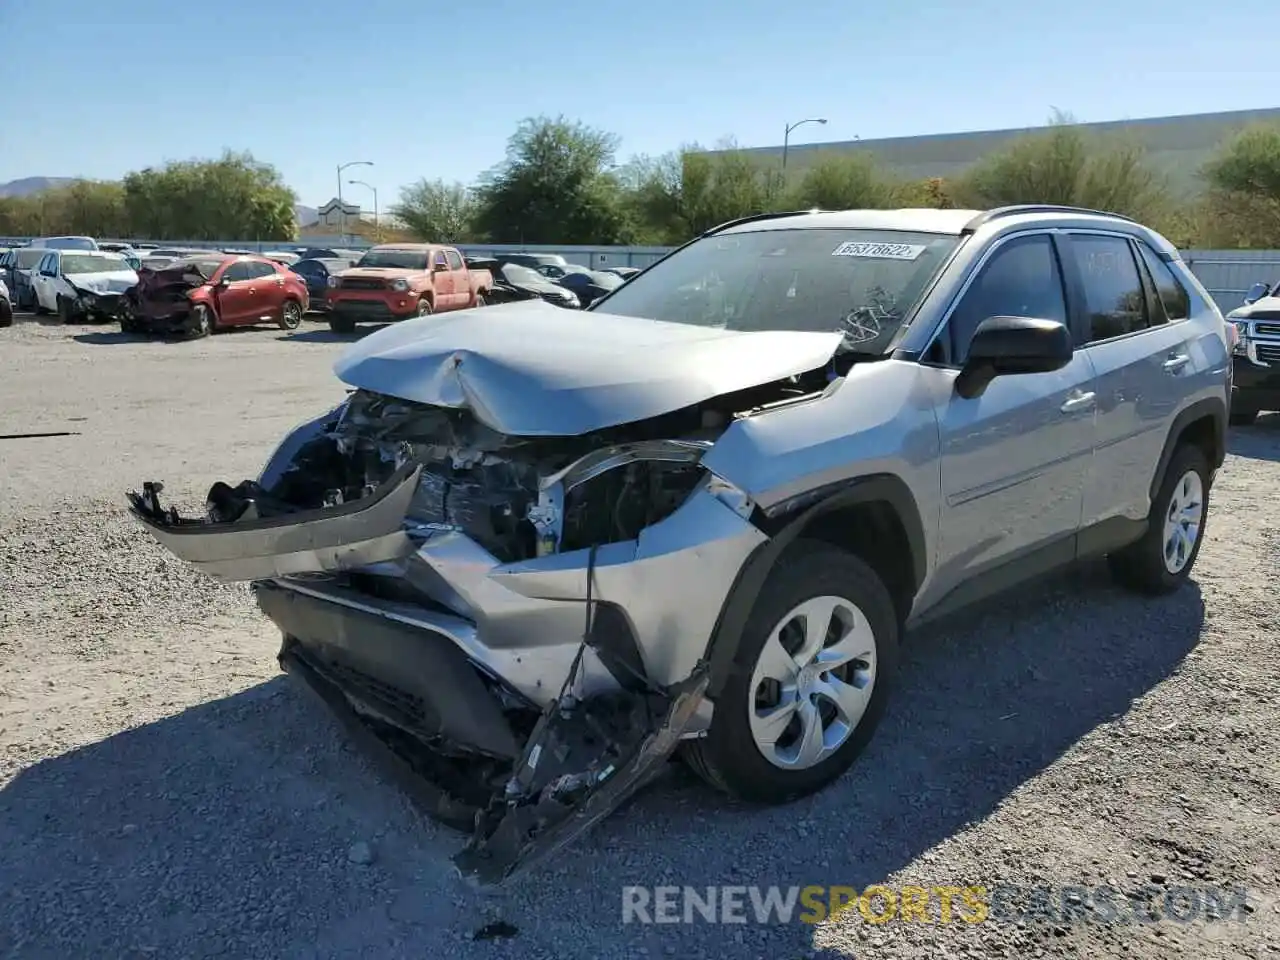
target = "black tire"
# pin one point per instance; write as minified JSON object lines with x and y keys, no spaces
{"x":203,"y":322}
{"x":291,"y":315}
{"x":6,"y":314}
{"x":37,"y":308}
{"x":480,"y":300}
{"x":341,"y":324}
{"x":424,"y":307}
{"x":1141,"y":565}
{"x":1242,"y":417}
{"x":728,"y":757}
{"x":64,"y":311}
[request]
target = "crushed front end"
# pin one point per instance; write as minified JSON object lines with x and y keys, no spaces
{"x":516,"y":626}
{"x":161,"y":301}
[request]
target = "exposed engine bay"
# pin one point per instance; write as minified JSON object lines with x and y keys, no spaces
{"x":518,"y":497}
{"x":523,"y":776}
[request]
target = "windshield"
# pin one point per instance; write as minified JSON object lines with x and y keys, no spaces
{"x":514,"y":273}
{"x":30,"y":257}
{"x":398,"y":259}
{"x":861,"y":283}
{"x":92,"y":263}
{"x":206,"y":267}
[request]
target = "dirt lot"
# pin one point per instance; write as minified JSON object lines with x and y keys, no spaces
{"x":165,"y":792}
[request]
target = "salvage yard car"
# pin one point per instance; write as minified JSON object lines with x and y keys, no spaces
{"x":396,"y":281}
{"x":202,"y":294}
{"x":1256,"y":359}
{"x":6,"y":306}
{"x":16,"y":267}
{"x":78,"y":285}
{"x":535,"y":551}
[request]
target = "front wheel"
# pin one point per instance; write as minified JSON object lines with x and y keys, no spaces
{"x":424,"y":307}
{"x":40,"y":309}
{"x":1162,"y":560}
{"x":291,"y":315}
{"x":202,"y":323}
{"x":810,"y":682}
{"x":64,"y":310}
{"x":6,"y":313}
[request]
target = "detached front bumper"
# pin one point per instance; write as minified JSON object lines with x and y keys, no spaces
{"x":419,"y":631}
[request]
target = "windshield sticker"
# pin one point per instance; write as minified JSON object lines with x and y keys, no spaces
{"x":878,"y":251}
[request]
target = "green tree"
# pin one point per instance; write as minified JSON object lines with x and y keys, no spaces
{"x":1242,"y":206}
{"x":234,"y":196}
{"x":1062,"y":165}
{"x":679,"y":195}
{"x":557,"y":185}
{"x":436,"y":211}
{"x":842,"y":181}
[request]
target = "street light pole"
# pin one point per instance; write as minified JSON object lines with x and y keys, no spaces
{"x":786,"y":137}
{"x":377,"y":229}
{"x":342,"y":210}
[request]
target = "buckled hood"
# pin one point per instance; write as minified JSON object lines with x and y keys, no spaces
{"x":533,"y":369}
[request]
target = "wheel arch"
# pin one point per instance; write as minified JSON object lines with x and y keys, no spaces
{"x":852,"y":512}
{"x":1203,"y":424}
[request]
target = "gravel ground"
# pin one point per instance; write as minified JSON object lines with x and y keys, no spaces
{"x":165,"y":792}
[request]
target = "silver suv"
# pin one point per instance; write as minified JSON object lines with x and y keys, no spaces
{"x":535,"y":550}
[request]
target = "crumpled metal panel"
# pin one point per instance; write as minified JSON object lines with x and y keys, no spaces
{"x":532,"y":369}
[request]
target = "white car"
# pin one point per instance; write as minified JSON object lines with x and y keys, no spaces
{"x":81,"y":284}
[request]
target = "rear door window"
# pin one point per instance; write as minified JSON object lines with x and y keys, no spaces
{"x":1115,"y":301}
{"x":1173,"y":295}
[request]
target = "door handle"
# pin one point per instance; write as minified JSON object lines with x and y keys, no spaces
{"x":1176,"y":363}
{"x":1080,"y":401}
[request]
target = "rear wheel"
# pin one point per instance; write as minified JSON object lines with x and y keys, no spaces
{"x":1162,"y":560}
{"x":480,"y":300}
{"x":340,"y":324}
{"x":291,"y":315}
{"x":812,"y":677}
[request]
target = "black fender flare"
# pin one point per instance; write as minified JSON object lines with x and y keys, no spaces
{"x":1213,"y":407}
{"x":722,"y":648}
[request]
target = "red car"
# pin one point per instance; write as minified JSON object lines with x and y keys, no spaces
{"x":201,"y":294}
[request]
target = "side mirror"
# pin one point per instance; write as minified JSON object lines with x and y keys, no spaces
{"x":1256,"y":293}
{"x":440,"y":268}
{"x":1013,"y":345}
{"x":223,"y":282}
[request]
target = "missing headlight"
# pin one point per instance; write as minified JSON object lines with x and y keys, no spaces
{"x":616,"y":505}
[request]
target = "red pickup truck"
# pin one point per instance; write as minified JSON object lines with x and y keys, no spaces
{"x":396,"y":281}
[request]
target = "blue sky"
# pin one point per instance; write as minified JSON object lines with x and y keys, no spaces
{"x":434,"y":89}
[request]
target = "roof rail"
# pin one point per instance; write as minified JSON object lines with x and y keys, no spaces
{"x":756,"y":217}
{"x":988,"y":215}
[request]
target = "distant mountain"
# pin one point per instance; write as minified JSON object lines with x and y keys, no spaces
{"x":306,"y":214}
{"x":29,"y":185}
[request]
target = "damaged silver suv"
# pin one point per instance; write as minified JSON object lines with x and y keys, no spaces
{"x":536,"y":551}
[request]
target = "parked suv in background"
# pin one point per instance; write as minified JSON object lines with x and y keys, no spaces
{"x":706,"y":508}
{"x":1256,"y":360}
